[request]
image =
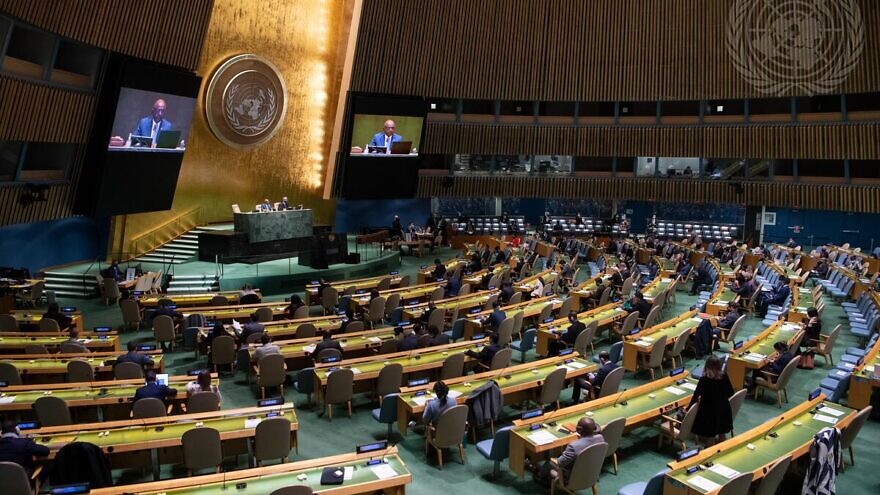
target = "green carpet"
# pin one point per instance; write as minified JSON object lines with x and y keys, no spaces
{"x":638,"y":455}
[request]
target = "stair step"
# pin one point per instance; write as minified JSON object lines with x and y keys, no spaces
{"x":69,"y":276}
{"x":68,"y":285}
{"x":161,"y":259}
{"x":167,"y":250}
{"x":191,"y":290}
{"x":203,"y":276}
{"x":186,"y":241}
{"x":72,"y":294}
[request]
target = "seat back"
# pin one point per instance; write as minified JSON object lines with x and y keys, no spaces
{"x":328,"y":353}
{"x":15,"y":479}
{"x":80,"y":371}
{"x":851,"y":432}
{"x":388,"y":409}
{"x":264,"y":315}
{"x":782,"y":381}
{"x":528,"y":340}
{"x":389,"y":379}
{"x":404,"y":281}
{"x":771,"y":481}
{"x":127,"y":371}
{"x":438,"y":294}
{"x":736,"y":401}
{"x":687,"y":424}
{"x":552,"y":386}
{"x":652,"y":317}
{"x":219,"y":300}
{"x":73,"y":348}
{"x":377,"y":309}
{"x":585,"y":338}
{"x":52,"y":411}
{"x":272,"y":439}
{"x":738,"y":485}
{"x":450,"y":427}
{"x":612,"y":433}
{"x":606,"y":294}
{"x":163,"y":328}
{"x":518,"y":322}
{"x":680,"y":342}
{"x":354,"y":326}
{"x":615,"y":351}
{"x":546,"y":311}
{"x":505,"y":331}
{"x":306,"y":330}
{"x":329,"y":297}
{"x":9,"y":374}
{"x":8,"y":323}
{"x":149,"y":407}
{"x":734,"y":329}
{"x":304,"y":381}
{"x":586,"y":468}
{"x":828,"y":346}
{"x":111,"y":289}
{"x":516,"y":298}
{"x":384,"y":284}
{"x":340,"y":384}
{"x":272,"y":371}
{"x":453,"y":367}
{"x":437,"y":318}
{"x":301,"y":312}
{"x":201,"y":448}
{"x":629,"y":323}
{"x":566,"y":306}
{"x":464,"y":290}
{"x":612,"y":382}
{"x":392,"y":303}
{"x":501,"y":359}
{"x":294,"y":490}
{"x":655,"y":359}
{"x":36,"y":349}
{"x":223,"y":350}
{"x":205,"y":401}
{"x":500,"y":444}
{"x":50,"y":325}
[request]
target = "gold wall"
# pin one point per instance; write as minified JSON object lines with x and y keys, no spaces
{"x":302,"y":39}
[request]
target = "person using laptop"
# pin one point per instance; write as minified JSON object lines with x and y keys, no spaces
{"x":386,"y":136}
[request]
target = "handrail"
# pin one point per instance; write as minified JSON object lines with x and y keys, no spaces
{"x":165,"y":232}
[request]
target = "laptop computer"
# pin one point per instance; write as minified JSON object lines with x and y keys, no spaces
{"x":167,"y":139}
{"x":140,"y":141}
{"x":401,"y":147}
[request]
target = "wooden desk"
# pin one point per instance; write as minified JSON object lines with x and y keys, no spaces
{"x":119,"y":440}
{"x":418,"y":360}
{"x":475,"y":279}
{"x":473,"y":325}
{"x":366,"y":284}
{"x":636,"y":405}
{"x":644,"y":341}
{"x":425,"y":274}
{"x":527,"y":284}
{"x":17,"y":342}
{"x":544,"y":249}
{"x":408,"y":295}
{"x":863,"y":381}
{"x":666,"y":267}
{"x":792,"y":440}
{"x":238,"y":312}
{"x":45,"y":367}
{"x":720,"y":299}
{"x":603,"y":315}
{"x":29,"y":319}
{"x":516,"y":383}
{"x":264,"y":480}
{"x":801,"y":300}
{"x":464,"y":304}
{"x":131,"y":284}
{"x":758,"y":351}
{"x":191,"y":300}
{"x":653,"y":289}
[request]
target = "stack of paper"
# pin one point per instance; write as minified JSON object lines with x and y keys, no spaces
{"x":675,"y":390}
{"x":541,"y":437}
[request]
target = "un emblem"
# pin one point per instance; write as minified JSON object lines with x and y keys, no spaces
{"x":795,"y":46}
{"x":245,"y":101}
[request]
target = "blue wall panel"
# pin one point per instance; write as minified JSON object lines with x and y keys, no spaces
{"x":42,"y":244}
{"x":352,"y":216}
{"x":858,"y":229}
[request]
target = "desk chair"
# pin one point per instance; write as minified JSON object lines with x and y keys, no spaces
{"x":453,"y":367}
{"x":389,"y":380}
{"x":73,"y":348}
{"x":340,"y":386}
{"x":272,"y":440}
{"x":681,"y":341}
{"x":614,"y":353}
{"x":500,"y":360}
{"x":219,"y":300}
{"x":851,"y":432}
{"x":584,"y":472}
{"x":516,"y":298}
{"x":551,"y":388}
{"x":771,"y":481}
{"x":111,"y":291}
{"x":163,"y":331}
{"x":306,"y":330}
{"x":391,"y":303}
{"x":149,"y":407}
{"x":33,"y":296}
{"x":36,"y":349}
{"x":201,"y":449}
{"x":678,"y":431}
{"x":448,"y":432}
{"x":654,"y":359}
{"x":546,"y":311}
{"x":728,"y":336}
{"x":496,"y":449}
{"x":49,"y":325}
{"x":437,"y":318}
{"x":305,"y":383}
{"x":80,"y":371}
{"x":204,"y":401}
{"x":8,"y":323}
{"x":329,"y":299}
{"x":9,"y":374}
{"x":825,"y":346}
{"x":387,"y":412}
{"x":738,"y":485}
{"x":526,"y":344}
{"x":778,"y":386}
{"x":223,"y":352}
{"x":736,"y":401}
{"x":612,"y":433}
{"x":654,"y":486}
{"x":127,"y":371}
{"x":652,"y":317}
{"x":301,"y":312}
{"x":611,"y":384}
{"x":628,"y":324}
{"x":376,"y":313}
{"x":438,"y":294}
{"x":384,"y":284}
{"x":271,"y":372}
{"x":264,"y":315}
{"x":16,"y":480}
{"x":404,"y":281}
{"x":52,"y":411}
{"x":328,"y":353}
{"x":505,"y":331}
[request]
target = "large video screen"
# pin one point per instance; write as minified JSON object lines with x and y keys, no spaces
{"x":381,"y":154}
{"x":151,"y":121}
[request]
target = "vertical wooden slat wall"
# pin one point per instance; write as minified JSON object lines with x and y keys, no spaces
{"x":166,"y":31}
{"x":564,"y":50}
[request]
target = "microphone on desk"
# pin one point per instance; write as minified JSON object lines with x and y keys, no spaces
{"x":774,"y":426}
{"x":623,"y":403}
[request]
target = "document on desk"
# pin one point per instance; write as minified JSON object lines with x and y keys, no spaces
{"x":252,"y":423}
{"x":675,"y":390}
{"x":642,"y":343}
{"x":421,"y":400}
{"x":383,"y":471}
{"x":541,"y":437}
{"x":348,"y":473}
{"x":454,"y":394}
{"x":308,"y":349}
{"x":832,"y":412}
{"x":754,"y":357}
{"x":7,"y":400}
{"x":724,"y":471}
{"x":827,"y":419}
{"x":689,"y":385}
{"x":375,"y":340}
{"x":575,"y":365}
{"x":704,"y":484}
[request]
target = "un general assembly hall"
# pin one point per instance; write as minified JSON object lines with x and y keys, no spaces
{"x":496,"y":247}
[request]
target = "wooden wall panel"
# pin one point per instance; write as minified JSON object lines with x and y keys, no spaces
{"x":807,"y":196}
{"x":815,"y":141}
{"x":564,"y":50}
{"x":166,"y":31}
{"x":37,"y":112}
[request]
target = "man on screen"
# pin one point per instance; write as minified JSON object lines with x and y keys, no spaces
{"x":153,"y":123}
{"x":386,"y":137}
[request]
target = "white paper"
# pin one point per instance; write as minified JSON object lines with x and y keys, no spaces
{"x":675,"y":390}
{"x":827,"y":419}
{"x":252,"y":423}
{"x":642,"y":343}
{"x":375,"y":340}
{"x":383,"y":471}
{"x":236,"y":325}
{"x":724,"y":471}
{"x":832,"y":412}
{"x":355,"y":371}
{"x":7,"y":400}
{"x":540,"y":437}
{"x":420,"y":400}
{"x":308,"y":349}
{"x":348,"y":472}
{"x":704,"y":484}
{"x":754,"y":357}
{"x":576,"y":365}
{"x":454,"y":394}
{"x":689,"y":385}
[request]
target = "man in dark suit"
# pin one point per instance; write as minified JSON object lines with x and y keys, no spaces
{"x":250,"y":328}
{"x":574,"y":329}
{"x":774,"y":367}
{"x":487,"y":353}
{"x":496,"y":317}
{"x":408,"y":342}
{"x":439,"y":270}
{"x":386,"y":136}
{"x":777,"y":296}
{"x":588,"y":435}
{"x":133,"y":356}
{"x":283,"y":204}
{"x":152,"y":124}
{"x":327,"y":342}
{"x":153,"y":389}
{"x":593,"y":381}
{"x":14,"y":448}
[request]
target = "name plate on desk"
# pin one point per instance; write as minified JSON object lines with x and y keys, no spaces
{"x":275,"y":225}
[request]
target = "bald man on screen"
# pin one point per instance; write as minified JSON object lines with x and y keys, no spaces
{"x":153,"y":123}
{"x":387,"y":136}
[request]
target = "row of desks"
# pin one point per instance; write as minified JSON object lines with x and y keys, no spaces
{"x":29,"y":319}
{"x":865,"y":378}
{"x":48,"y":367}
{"x":17,"y":342}
{"x":190,"y":300}
{"x":364,"y":284}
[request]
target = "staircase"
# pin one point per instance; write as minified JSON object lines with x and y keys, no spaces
{"x":71,"y":284}
{"x":177,"y":251}
{"x":190,"y":284}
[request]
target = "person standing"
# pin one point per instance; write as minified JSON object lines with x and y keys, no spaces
{"x":714,"y":417}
